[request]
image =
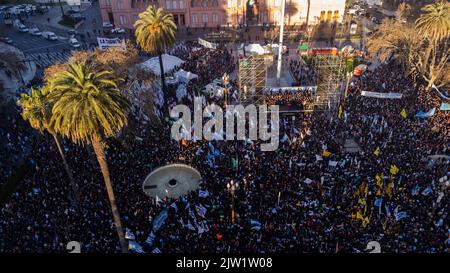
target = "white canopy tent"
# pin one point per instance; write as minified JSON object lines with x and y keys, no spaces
{"x":185,"y":76}
{"x":255,"y":49}
{"x":169,"y":62}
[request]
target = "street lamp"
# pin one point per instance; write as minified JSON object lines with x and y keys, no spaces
{"x":232,"y":187}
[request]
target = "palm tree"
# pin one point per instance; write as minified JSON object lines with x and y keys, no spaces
{"x":88,"y":108}
{"x":155,"y":32}
{"x":435,"y":21}
{"x":36,"y":109}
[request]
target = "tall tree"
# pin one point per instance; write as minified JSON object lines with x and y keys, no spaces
{"x":36,"y":109}
{"x":88,"y":108}
{"x":434,"y":22}
{"x":155,"y":33}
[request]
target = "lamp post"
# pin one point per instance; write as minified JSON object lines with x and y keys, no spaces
{"x":225,"y":80}
{"x":232,"y":187}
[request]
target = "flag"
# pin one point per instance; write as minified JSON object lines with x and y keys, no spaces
{"x":129,"y":234}
{"x":378,"y":202}
{"x":201,"y":210}
{"x":378,"y":179}
{"x":156,"y":250}
{"x":326,"y":153}
{"x":403,"y":113}
{"x":203,"y":194}
{"x":174,"y":206}
{"x":394,"y":170}
{"x":377,"y":151}
{"x":159,"y":220}
{"x":340,"y":112}
{"x":135,"y":247}
{"x":150,"y":239}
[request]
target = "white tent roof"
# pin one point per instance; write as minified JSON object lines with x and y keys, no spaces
{"x":184,"y":75}
{"x":255,"y":48}
{"x":169,"y":63}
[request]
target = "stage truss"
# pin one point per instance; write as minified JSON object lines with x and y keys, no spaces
{"x":330,"y":72}
{"x":253,"y":77}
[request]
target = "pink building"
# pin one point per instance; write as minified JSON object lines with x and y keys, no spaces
{"x":213,"y":13}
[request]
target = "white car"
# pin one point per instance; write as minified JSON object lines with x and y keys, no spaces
{"x":22,"y":28}
{"x":118,"y":30}
{"x":35,"y":31}
{"x":107,"y":24}
{"x":49,"y":36}
{"x":74,"y":43}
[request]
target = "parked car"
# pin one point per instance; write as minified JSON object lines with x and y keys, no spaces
{"x":117,"y":30}
{"x":35,"y":31}
{"x":74,"y":43}
{"x":6,"y":40}
{"x":49,"y":35}
{"x":107,"y":24}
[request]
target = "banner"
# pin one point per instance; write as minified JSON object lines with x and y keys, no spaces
{"x":381,"y":95}
{"x":159,"y":220}
{"x":206,"y":43}
{"x":428,"y":114}
{"x":105,"y":43}
{"x":445,"y":107}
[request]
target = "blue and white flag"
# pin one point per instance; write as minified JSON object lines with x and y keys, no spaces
{"x":150,"y":239}
{"x":378,"y":202}
{"x":159,"y":220}
{"x":201,"y":210}
{"x":135,"y":247}
{"x":203,"y":194}
{"x":174,"y":206}
{"x":415,"y":190}
{"x":129,"y":234}
{"x":427,"y":191}
{"x":428,"y":114}
{"x":255,"y":223}
{"x":156,"y":250}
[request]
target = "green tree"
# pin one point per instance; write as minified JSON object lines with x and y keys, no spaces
{"x":36,"y":109}
{"x":88,"y":108}
{"x":155,"y":33}
{"x":434,"y":22}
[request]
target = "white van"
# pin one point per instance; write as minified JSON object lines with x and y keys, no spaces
{"x":49,"y":35}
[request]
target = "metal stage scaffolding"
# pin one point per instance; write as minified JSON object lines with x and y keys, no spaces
{"x":253,"y":77}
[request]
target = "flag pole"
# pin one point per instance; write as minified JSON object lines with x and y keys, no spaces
{"x":280,"y":47}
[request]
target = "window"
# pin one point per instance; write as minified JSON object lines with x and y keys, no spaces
{"x":108,"y":3}
{"x":205,"y":18}
{"x":193,"y":5}
{"x":229,"y":18}
{"x":239,"y":3}
{"x":133,"y":4}
{"x":194,"y":18}
{"x":215,"y":3}
{"x":215,"y":18}
{"x":181,"y":4}
{"x":174,"y":4}
{"x":276,"y":3}
{"x":276,"y":16}
{"x":204,"y":3}
{"x":120,"y":4}
{"x":123,"y":19}
{"x":266,"y":17}
{"x":229,"y":3}
{"x":168,"y":6}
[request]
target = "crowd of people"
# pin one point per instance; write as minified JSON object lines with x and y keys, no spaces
{"x":310,"y":195}
{"x":302,"y":73}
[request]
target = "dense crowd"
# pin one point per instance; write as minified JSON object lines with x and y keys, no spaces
{"x":302,"y":73}
{"x":310,"y":195}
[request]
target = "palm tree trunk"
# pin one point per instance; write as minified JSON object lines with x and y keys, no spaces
{"x":112,"y":200}
{"x":163,"y":79}
{"x":66,"y":166}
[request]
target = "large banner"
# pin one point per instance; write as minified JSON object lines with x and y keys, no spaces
{"x":105,"y":43}
{"x":292,"y":89}
{"x":206,"y":43}
{"x":381,"y":95}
